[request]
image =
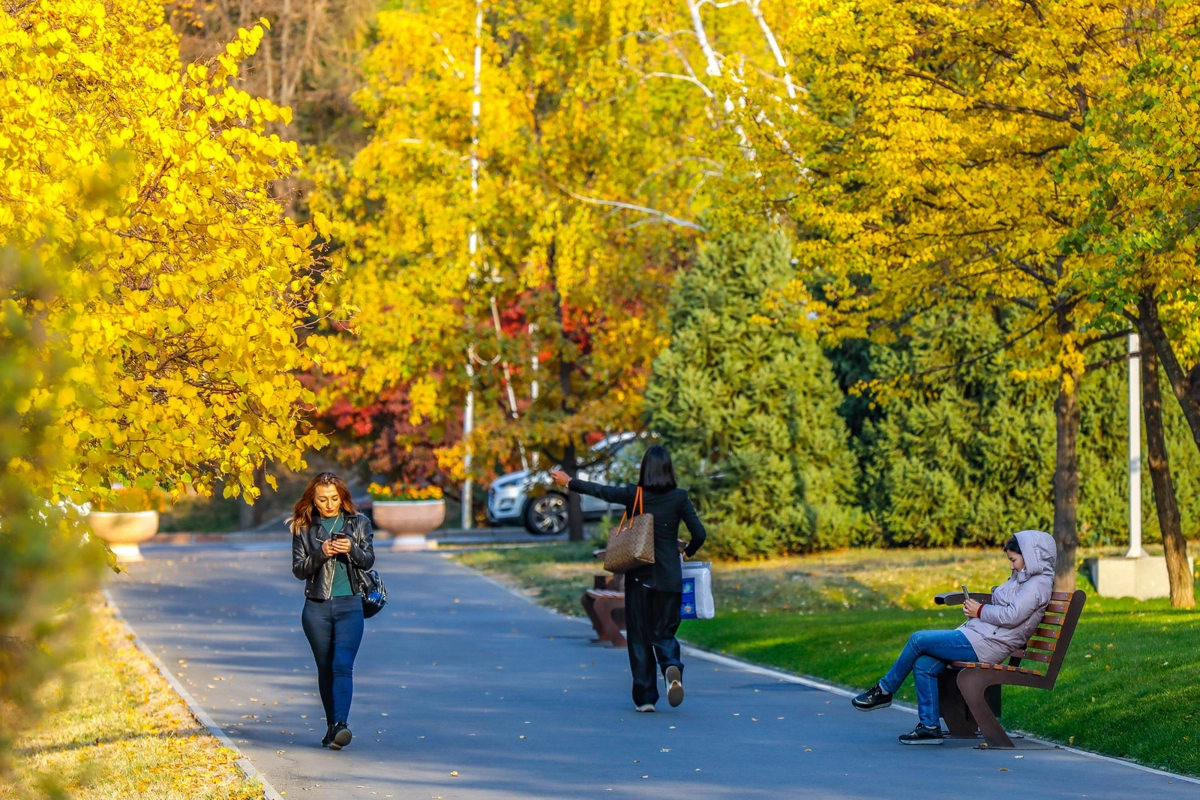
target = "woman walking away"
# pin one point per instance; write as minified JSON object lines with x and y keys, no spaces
{"x":331,"y":543}
{"x":653,"y":593}
{"x":991,"y":633}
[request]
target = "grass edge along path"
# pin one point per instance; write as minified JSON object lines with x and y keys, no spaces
{"x":118,"y":730}
{"x":1127,"y":689}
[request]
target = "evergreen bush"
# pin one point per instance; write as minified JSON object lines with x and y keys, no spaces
{"x":748,"y":407}
{"x":968,"y":457}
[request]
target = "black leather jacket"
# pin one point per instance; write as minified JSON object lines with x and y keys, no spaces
{"x":312,"y":566}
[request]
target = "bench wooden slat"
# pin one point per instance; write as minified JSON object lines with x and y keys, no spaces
{"x":1036,"y":656}
{"x":1047,"y":633}
{"x":1057,"y":608}
{"x":1053,"y":619}
{"x":1063,"y":596}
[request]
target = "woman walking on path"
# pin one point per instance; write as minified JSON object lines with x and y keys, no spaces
{"x":331,"y":541}
{"x":992,"y":631}
{"x":653,"y":593}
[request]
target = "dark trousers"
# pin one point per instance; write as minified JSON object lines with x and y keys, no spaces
{"x":334,"y":628}
{"x":651,"y":620}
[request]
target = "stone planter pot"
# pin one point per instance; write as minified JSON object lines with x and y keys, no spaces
{"x":124,"y":531}
{"x":410,"y":521}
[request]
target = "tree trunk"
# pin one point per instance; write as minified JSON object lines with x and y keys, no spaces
{"x":1066,"y":482}
{"x":251,"y":516}
{"x":1178,"y":573}
{"x":570,"y":466}
{"x":1151,"y":330}
{"x":566,"y":369}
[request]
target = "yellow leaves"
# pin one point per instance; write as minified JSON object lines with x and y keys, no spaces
{"x":323,"y":224}
{"x":160,"y":181}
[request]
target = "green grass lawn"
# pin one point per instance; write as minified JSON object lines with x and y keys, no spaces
{"x":1130,"y":685}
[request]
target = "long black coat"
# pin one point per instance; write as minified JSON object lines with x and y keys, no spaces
{"x":669,"y":507}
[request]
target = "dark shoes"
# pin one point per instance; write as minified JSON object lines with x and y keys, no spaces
{"x":328,"y":737}
{"x":674,"y":678}
{"x":341,"y":736}
{"x":872,"y":699}
{"x":923,"y":735}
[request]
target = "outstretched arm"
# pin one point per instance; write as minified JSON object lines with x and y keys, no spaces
{"x":612,"y":494}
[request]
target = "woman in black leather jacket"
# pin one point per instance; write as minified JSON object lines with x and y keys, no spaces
{"x":331,"y":544}
{"x":653,"y":593}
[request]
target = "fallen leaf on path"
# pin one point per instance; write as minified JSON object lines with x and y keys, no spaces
{"x":454,"y":774}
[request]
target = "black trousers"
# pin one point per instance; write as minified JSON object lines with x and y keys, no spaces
{"x":651,"y":621}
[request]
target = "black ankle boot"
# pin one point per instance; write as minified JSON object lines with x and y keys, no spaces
{"x":341,"y":736}
{"x":328,"y":738}
{"x":872,"y":699}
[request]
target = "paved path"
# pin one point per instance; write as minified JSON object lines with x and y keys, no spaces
{"x":460,"y":676}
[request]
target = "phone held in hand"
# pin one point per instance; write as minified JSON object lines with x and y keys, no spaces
{"x":337,"y":535}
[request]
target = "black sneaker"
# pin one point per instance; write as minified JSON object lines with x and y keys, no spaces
{"x":341,"y":736}
{"x":328,"y":736}
{"x":923,"y":735}
{"x":674,"y":680}
{"x":872,"y":699}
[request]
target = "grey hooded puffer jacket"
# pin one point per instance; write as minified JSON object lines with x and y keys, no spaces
{"x":1006,"y":623}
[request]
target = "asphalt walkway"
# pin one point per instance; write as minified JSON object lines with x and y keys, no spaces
{"x":464,"y":690}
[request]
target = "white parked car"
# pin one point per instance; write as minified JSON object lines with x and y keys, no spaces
{"x":511,"y":499}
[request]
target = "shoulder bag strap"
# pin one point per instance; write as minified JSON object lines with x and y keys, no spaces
{"x":637,"y":501}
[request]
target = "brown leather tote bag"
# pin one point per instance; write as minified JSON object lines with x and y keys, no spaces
{"x":633,"y":546}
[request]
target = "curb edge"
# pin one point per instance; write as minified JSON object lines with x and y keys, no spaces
{"x":244,"y":764}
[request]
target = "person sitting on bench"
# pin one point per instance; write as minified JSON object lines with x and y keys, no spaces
{"x":991,"y":632}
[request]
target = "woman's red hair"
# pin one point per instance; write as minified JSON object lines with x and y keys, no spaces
{"x":305,"y":511}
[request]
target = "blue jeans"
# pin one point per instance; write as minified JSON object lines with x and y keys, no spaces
{"x":926,"y":656}
{"x":334,"y":628}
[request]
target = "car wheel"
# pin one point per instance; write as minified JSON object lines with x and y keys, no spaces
{"x":546,"y":515}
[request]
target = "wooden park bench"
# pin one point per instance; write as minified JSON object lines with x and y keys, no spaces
{"x":969,"y":691}
{"x":604,"y":604}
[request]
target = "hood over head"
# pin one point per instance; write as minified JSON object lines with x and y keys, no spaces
{"x":1038,"y":550}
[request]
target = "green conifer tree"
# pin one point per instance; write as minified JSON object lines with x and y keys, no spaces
{"x":748,"y":406}
{"x":968,"y":456}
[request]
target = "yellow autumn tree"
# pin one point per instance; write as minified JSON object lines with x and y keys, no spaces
{"x":920,"y":160}
{"x":540,"y":288}
{"x":179,"y":298}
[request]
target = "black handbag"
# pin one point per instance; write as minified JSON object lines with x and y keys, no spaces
{"x":374,"y":593}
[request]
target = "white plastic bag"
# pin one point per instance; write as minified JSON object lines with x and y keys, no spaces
{"x":697,"y":591}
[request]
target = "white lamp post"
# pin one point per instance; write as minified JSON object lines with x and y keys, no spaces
{"x":1135,"y":450}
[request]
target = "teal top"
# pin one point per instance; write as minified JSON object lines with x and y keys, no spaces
{"x":342,"y":587}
